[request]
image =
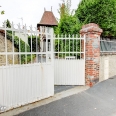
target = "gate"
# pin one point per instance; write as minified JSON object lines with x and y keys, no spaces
{"x":69,"y":62}
{"x":26,"y":69}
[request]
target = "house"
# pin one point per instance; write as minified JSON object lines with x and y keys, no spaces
{"x":22,"y":35}
{"x":48,"y":20}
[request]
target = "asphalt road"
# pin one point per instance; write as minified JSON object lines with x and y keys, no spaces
{"x":99,"y":100}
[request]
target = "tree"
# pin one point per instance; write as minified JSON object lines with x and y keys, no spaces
{"x":2,"y":12}
{"x":68,"y":23}
{"x":8,"y":24}
{"x":101,"y":12}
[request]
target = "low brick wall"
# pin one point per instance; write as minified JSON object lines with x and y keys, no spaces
{"x":107,"y":66}
{"x":9,"y":49}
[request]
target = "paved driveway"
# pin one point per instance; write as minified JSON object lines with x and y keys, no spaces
{"x":99,"y":100}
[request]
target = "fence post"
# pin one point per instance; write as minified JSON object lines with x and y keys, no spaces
{"x":92,"y":34}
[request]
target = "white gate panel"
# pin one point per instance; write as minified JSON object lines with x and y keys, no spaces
{"x":26,"y":70}
{"x":69,"y":72}
{"x":23,"y":84}
{"x":69,"y":63}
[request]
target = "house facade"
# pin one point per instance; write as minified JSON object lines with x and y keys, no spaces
{"x":48,"y":20}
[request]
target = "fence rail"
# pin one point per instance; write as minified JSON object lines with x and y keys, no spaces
{"x":26,"y":44}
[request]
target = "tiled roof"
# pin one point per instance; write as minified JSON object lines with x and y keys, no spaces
{"x":48,"y":18}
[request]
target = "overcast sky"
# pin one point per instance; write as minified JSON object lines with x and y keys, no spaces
{"x":30,"y":10}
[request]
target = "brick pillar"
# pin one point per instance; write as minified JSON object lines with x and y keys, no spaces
{"x":92,"y":34}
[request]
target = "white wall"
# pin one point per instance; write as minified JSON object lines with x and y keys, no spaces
{"x":23,"y":36}
{"x":107,"y":66}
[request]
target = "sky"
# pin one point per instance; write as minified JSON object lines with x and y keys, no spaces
{"x":30,"y":11}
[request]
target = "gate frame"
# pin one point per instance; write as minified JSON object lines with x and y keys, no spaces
{"x":39,"y":82}
{"x":61,"y":78}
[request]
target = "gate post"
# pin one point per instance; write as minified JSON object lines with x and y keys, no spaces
{"x":92,"y":34}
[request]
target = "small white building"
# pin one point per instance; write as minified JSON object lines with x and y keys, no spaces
{"x":23,"y":36}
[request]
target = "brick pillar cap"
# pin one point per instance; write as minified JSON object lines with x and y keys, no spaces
{"x":91,"y":27}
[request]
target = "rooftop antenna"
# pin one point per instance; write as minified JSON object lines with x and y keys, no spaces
{"x":22,"y":20}
{"x":51,"y":8}
{"x":44,"y":9}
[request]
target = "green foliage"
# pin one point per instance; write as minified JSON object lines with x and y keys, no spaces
{"x":65,"y":8}
{"x":19,"y":44}
{"x":101,"y":12}
{"x":2,"y":12}
{"x":66,"y":45}
{"x":22,"y":46}
{"x":68,"y":25}
{"x":35,"y":42}
{"x":8,"y":24}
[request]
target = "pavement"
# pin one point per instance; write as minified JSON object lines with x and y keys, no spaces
{"x":100,"y":100}
{"x":58,"y":89}
{"x":60,"y":92}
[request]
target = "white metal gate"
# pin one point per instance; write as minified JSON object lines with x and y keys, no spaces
{"x":26,"y":71}
{"x":69,"y":63}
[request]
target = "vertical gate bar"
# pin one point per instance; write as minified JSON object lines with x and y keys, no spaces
{"x":52,"y":47}
{"x":36,"y":45}
{"x":6,"y":44}
{"x":69,"y":45}
{"x":58,"y":46}
{"x":73,"y":44}
{"x":76,"y":46}
{"x":65,"y":47}
{"x":80,"y":47}
{"x":31,"y":44}
{"x":12,"y":42}
{"x":46,"y":34}
{"x":19,"y":44}
{"x":62,"y":48}
{"x":25,"y":45}
{"x":41,"y":29}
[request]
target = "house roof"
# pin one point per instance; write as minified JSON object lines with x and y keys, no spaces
{"x":48,"y":19}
